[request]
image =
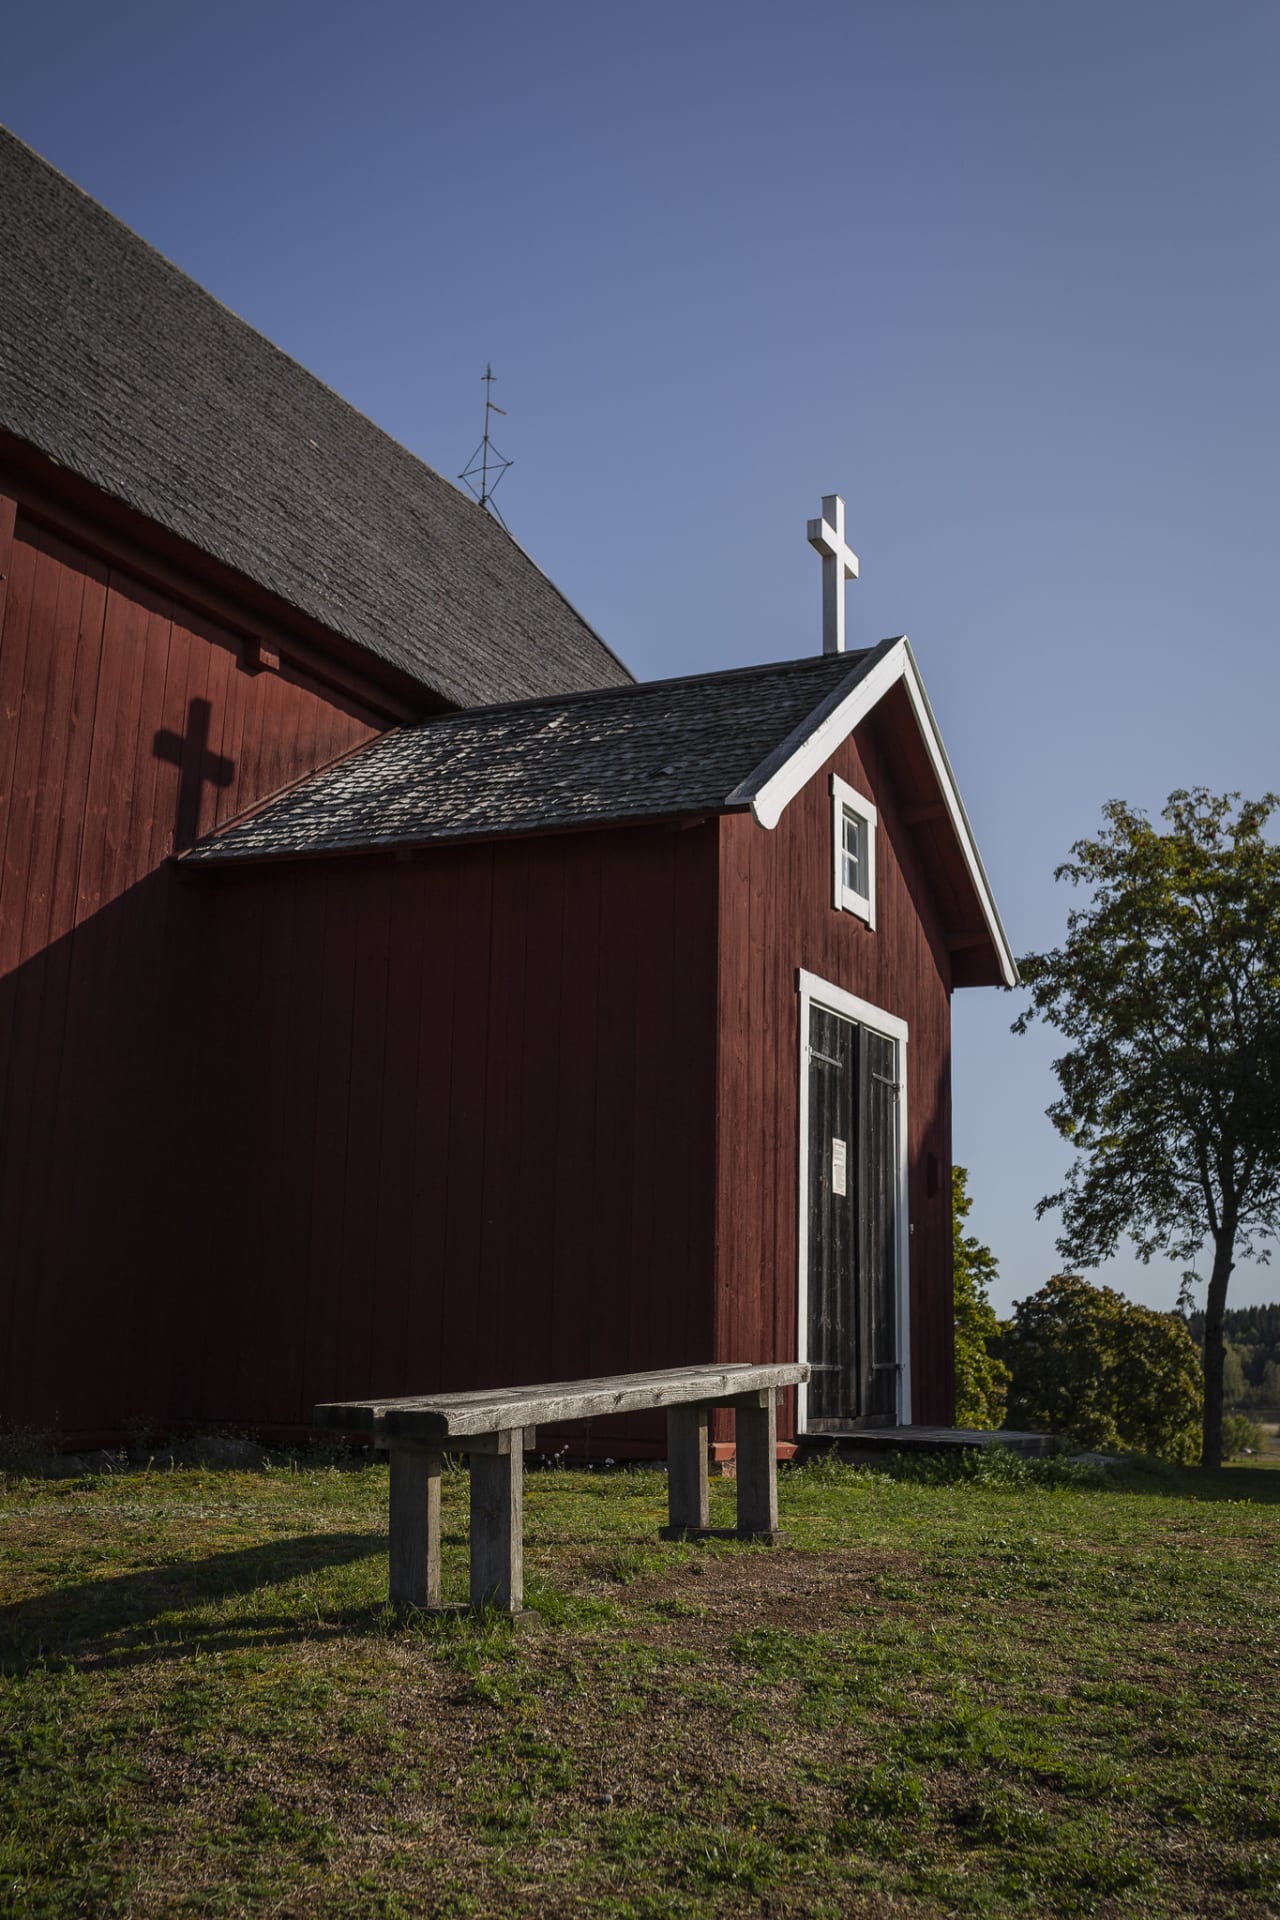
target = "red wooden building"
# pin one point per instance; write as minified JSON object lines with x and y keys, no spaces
{"x":394,"y":995}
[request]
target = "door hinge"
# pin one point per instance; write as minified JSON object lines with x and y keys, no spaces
{"x":885,"y":1081}
{"x":827,"y":1059}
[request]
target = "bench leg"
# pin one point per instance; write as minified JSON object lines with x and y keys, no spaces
{"x":757,"y":1455}
{"x":497,"y":1526}
{"x":415,"y":1528}
{"x":688,"y":1501}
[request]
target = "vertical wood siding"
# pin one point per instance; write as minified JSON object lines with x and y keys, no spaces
{"x":478,"y":1116}
{"x":126,"y":723}
{"x":487,"y":1149}
{"x":776,"y":915}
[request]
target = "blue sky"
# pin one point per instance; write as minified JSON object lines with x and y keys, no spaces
{"x":1006,"y":275}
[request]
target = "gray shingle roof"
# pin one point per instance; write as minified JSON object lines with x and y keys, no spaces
{"x":120,"y":368}
{"x":631,"y":753}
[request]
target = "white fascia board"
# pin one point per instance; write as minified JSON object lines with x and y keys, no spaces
{"x":805,"y":752}
{"x":946,"y":779}
{"x":774,"y":784}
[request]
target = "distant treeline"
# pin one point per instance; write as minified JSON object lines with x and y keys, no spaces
{"x":1252,"y":1334}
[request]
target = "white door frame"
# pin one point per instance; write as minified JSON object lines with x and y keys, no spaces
{"x":817,"y":992}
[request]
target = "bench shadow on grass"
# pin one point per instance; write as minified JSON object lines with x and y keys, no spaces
{"x":158,"y":1613}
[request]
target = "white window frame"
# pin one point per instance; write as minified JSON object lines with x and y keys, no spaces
{"x":847,"y":800}
{"x":814,"y":991}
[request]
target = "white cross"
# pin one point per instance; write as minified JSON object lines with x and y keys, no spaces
{"x":839,"y":563}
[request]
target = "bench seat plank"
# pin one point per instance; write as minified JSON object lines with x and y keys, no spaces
{"x":452,"y":1416}
{"x":491,"y":1428}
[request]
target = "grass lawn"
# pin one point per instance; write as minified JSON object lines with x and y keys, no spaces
{"x":1012,"y":1691}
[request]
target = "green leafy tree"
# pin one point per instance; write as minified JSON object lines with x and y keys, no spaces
{"x":1240,"y":1434}
{"x":981,"y":1378}
{"x":1234,"y":1384}
{"x":1168,"y":988}
{"x":1109,"y":1374}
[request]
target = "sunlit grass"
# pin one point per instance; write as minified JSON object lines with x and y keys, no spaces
{"x":990,"y":1687}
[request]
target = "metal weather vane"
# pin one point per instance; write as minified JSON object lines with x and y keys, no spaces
{"x":486,"y":463}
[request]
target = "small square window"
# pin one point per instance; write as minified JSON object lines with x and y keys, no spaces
{"x":854,"y":835}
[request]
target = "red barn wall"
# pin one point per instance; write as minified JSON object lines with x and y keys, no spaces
{"x":468,"y":1099}
{"x":487,"y":1114}
{"x":775,"y":916}
{"x":101,"y":996}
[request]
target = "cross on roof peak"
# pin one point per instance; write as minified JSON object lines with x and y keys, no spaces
{"x":839,"y":563}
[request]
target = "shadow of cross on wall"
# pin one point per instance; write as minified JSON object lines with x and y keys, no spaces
{"x":189,"y":751}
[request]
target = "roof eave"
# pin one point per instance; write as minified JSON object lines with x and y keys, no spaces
{"x":208,"y":856}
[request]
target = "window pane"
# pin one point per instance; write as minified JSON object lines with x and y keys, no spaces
{"x":854,"y":830}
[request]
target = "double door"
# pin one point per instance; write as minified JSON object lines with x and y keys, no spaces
{"x":852,"y":1200}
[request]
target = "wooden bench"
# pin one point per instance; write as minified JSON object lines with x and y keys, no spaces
{"x":493,"y":1429}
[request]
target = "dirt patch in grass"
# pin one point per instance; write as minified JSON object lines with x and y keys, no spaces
{"x":771,"y":1587}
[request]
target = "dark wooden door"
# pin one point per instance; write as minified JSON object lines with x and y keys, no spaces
{"x":852,"y":1224}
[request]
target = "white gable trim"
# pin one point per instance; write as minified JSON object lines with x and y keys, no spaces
{"x":817,"y":736}
{"x":777,"y":781}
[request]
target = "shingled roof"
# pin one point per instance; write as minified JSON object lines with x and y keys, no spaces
{"x":116,"y":365}
{"x":667,"y":748}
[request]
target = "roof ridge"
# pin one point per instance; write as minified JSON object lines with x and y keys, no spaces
{"x":643,"y":686}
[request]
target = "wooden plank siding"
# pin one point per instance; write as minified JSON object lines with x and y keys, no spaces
{"x":105,"y":964}
{"x":509,"y":1172}
{"x":466,"y":1117}
{"x":776,"y":916}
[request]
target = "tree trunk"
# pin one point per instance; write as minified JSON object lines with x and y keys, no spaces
{"x":1214,"y":1349}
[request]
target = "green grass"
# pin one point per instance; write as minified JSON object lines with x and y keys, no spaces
{"x":990,"y":1687}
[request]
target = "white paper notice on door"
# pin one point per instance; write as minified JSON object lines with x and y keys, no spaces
{"x":839,"y":1167}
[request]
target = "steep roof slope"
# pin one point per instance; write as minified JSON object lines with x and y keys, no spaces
{"x":116,"y":365}
{"x":629,"y":753}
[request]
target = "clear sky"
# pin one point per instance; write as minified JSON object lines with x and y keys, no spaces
{"x":1006,"y":275}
